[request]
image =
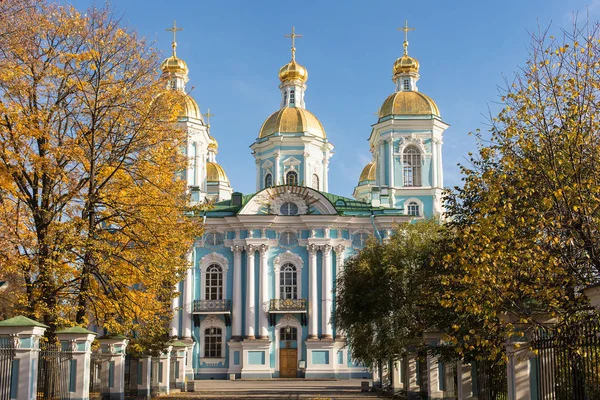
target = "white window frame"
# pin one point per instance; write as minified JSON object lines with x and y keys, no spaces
{"x":212,"y":321}
{"x":419,"y":203}
{"x":318,"y":181}
{"x":288,"y":258}
{"x":207,"y":261}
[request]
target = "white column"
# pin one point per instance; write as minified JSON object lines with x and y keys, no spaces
{"x":174,"y":326}
{"x":339,"y":264}
{"x":236,"y":318}
{"x":381,"y":164}
{"x":434,"y":162}
{"x":257,"y":161}
{"x":326,"y":172}
{"x":263,"y":308}
{"x":188,"y":297}
{"x":391,"y":166}
{"x":313,"y":312}
{"x":307,"y":180}
{"x":190,"y":168}
{"x":327,"y":301}
{"x":277,"y":179}
{"x":250,"y":295}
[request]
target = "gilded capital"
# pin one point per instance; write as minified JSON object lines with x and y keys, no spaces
{"x":312,"y":249}
{"x":250,"y":249}
{"x":236,"y":249}
{"x":263,"y":248}
{"x":326,"y":249}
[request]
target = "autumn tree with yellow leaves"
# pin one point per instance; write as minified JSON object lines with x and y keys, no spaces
{"x":93,"y":217}
{"x":525,"y":224}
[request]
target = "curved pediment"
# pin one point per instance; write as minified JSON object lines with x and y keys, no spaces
{"x":288,"y":200}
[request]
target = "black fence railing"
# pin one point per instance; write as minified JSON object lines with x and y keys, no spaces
{"x":7,"y":382}
{"x":54,"y":372}
{"x":490,"y":380}
{"x":568,"y":362}
{"x":289,"y":305}
{"x":210,"y":306}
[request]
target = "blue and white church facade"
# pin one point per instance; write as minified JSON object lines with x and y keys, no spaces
{"x":259,"y":297}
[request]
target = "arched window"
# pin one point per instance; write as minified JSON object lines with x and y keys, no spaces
{"x":212,"y":343}
{"x":289,"y":208}
{"x":214,"y":282}
{"x":412,"y":166}
{"x":406,"y":84}
{"x":315,"y":181}
{"x":288,"y":282}
{"x":268,"y":180}
{"x":291,"y":178}
{"x":413,"y":209}
{"x":292,"y":97}
{"x":285,"y":98}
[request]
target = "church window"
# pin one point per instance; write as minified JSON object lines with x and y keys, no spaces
{"x":291,"y":178}
{"x":289,"y":208}
{"x":288,"y":282}
{"x":406,"y":84}
{"x":359,"y":240}
{"x":315,"y":181}
{"x":268,"y":180}
{"x":292,"y":97}
{"x":212,"y":343}
{"x":285,"y":98}
{"x":288,"y":334}
{"x":214,"y":283}
{"x":288,"y":239}
{"x":214,"y":239}
{"x":412,"y":166}
{"x":413,"y":209}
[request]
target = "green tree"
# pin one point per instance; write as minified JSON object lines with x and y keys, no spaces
{"x":525,"y":224}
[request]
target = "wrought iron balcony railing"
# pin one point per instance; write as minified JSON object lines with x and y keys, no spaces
{"x":212,"y":306}
{"x":288,"y":305}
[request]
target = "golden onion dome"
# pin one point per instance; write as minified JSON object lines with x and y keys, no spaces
{"x":406,"y":64}
{"x":293,"y":71}
{"x":174,"y":64}
{"x":408,"y":103}
{"x":189,"y":107}
{"x":215,"y":173}
{"x":213,"y":145}
{"x":292,"y":120}
{"x":368,"y":173}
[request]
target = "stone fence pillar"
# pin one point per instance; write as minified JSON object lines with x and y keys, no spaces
{"x":112,"y":348}
{"x":518,"y":371}
{"x":19,"y":342}
{"x":178,"y":359}
{"x":143,"y":377}
{"x":161,"y":372}
{"x":78,"y":342}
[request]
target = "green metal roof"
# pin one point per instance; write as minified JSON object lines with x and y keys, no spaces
{"x":21,"y":321}
{"x":177,"y":343}
{"x":114,"y":336}
{"x":77,"y":329}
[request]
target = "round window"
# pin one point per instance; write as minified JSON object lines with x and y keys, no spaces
{"x":288,"y":208}
{"x":359,"y":240}
{"x":288,"y":239}
{"x":214,"y":239}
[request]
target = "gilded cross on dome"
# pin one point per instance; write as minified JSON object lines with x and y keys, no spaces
{"x":174,"y":29}
{"x":208,"y":114}
{"x":405,"y":28}
{"x":293,"y":36}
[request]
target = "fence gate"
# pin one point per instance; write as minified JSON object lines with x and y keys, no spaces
{"x":491,"y":380}
{"x":568,"y":362}
{"x":7,"y":355}
{"x":54,"y":372}
{"x":97,"y":383}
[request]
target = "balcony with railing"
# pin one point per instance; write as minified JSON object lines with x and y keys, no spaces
{"x":212,"y":307}
{"x":287,"y":306}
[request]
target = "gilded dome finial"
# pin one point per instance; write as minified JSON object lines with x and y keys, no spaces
{"x":174,"y":29}
{"x":207,"y":115}
{"x":293,"y":36}
{"x":405,"y":28}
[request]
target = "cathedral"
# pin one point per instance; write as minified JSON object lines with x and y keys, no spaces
{"x":259,"y":298}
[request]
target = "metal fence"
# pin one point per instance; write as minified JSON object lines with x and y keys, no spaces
{"x":567,"y":365}
{"x":490,"y":380}
{"x":97,"y":383}
{"x":54,"y":372}
{"x":7,"y":355}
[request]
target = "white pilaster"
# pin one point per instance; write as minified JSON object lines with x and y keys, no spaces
{"x":250,"y":295}
{"x":258,"y":180}
{"x":277,"y":170}
{"x":440,"y":169}
{"x":381,"y":168}
{"x":326,"y":172}
{"x":391,"y":161}
{"x":307,"y":180}
{"x":327,"y":301}
{"x":339,"y":266}
{"x":312,"y":292}
{"x":188,"y":296}
{"x":263,"y":317}
{"x":174,"y":325}
{"x":236,"y":318}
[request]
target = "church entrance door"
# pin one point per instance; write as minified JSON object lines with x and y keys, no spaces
{"x":288,"y":360}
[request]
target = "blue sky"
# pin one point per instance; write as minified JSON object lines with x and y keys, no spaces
{"x":234,"y":50}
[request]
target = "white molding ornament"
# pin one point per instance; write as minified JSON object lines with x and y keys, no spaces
{"x":214,"y":258}
{"x":412,"y":139}
{"x":287,"y":257}
{"x":278,"y":201}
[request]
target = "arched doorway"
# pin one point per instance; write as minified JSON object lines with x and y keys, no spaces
{"x":288,"y":352}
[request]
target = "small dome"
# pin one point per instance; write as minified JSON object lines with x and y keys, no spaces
{"x":368,"y":173}
{"x":174,"y":64}
{"x":293,"y":71}
{"x":185,"y":104}
{"x":215,"y":173}
{"x":292,"y":120}
{"x":408,"y":103}
{"x":213,"y":145}
{"x":405,"y":65}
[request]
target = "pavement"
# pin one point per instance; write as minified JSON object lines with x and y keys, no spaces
{"x":278,"y":389}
